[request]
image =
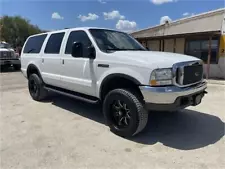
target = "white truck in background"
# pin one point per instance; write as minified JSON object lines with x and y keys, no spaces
{"x":8,"y":57}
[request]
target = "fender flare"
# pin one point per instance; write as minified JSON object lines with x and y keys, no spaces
{"x":35,"y":67}
{"x":111,"y":76}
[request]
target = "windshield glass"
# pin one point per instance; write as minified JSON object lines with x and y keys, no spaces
{"x":5,"y":45}
{"x":108,"y":40}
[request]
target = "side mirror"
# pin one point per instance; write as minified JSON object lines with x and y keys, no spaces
{"x":91,"y":52}
{"x":77,"y":49}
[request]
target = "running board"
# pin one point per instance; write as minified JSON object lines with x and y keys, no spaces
{"x":82,"y":97}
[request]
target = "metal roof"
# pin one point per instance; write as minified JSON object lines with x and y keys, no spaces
{"x":206,"y":22}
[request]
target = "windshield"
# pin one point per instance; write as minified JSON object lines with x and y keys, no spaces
{"x":5,"y":45}
{"x":108,"y":40}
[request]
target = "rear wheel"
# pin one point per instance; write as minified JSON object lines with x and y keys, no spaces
{"x":124,"y":113}
{"x":36,"y":87}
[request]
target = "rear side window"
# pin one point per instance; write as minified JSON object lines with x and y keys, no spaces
{"x":34,"y":44}
{"x":54,"y":43}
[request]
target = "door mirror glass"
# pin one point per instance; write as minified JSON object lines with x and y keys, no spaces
{"x":77,"y":49}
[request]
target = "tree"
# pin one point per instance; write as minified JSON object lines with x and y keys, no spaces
{"x":15,"y":30}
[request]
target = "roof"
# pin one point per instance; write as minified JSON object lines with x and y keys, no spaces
{"x":206,"y":22}
{"x":72,"y":29}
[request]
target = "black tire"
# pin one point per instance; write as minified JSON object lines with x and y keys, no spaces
{"x":36,"y":88}
{"x":138,"y":115}
{"x":17,"y":67}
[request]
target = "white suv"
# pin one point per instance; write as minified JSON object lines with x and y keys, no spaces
{"x":101,"y":65}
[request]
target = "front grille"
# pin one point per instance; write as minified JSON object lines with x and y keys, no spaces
{"x":5,"y":55}
{"x":192,"y":74}
{"x":188,"y":73}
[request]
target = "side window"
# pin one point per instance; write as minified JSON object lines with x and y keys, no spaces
{"x":54,"y":43}
{"x":34,"y":44}
{"x":78,"y":36}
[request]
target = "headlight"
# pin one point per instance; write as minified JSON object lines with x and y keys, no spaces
{"x":160,"y":77}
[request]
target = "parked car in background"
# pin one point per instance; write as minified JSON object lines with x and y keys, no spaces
{"x":8,"y":57}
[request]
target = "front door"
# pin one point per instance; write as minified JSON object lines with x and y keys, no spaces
{"x":78,"y":74}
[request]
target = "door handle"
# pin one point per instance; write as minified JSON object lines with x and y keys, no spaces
{"x":63,"y":61}
{"x":42,"y":60}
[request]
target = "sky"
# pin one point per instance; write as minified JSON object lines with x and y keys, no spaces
{"x":124,"y":15}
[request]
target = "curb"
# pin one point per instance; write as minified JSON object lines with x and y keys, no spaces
{"x":218,"y":82}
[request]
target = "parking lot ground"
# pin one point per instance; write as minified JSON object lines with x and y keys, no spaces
{"x":63,"y":133}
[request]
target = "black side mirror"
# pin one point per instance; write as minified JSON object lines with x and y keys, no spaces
{"x":91,"y":52}
{"x":77,"y":49}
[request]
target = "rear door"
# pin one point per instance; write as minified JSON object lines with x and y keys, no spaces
{"x":51,"y":59}
{"x":32,"y":51}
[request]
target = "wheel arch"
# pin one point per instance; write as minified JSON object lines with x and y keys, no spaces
{"x":33,"y":69}
{"x":107,"y":82}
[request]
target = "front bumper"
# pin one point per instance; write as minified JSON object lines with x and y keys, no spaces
{"x":10,"y":62}
{"x":171,"y":97}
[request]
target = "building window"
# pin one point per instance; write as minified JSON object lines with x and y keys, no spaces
{"x":200,"y":49}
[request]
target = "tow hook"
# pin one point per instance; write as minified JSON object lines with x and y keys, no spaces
{"x":205,"y":92}
{"x":198,"y":98}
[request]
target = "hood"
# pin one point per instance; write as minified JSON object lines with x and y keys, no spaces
{"x":152,"y":58}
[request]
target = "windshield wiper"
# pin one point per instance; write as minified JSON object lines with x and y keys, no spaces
{"x":31,"y":50}
{"x":114,"y":49}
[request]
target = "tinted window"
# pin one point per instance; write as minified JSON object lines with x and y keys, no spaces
{"x":108,"y":40}
{"x":34,"y":44}
{"x":78,"y":36}
{"x":54,"y":43}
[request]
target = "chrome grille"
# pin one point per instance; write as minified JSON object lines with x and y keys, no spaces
{"x":6,"y":55}
{"x":187,"y":73}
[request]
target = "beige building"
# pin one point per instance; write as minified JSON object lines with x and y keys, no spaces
{"x":202,"y":36}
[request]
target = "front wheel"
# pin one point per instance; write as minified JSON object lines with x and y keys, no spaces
{"x":124,"y":113}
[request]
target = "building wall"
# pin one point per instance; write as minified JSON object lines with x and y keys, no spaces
{"x":168,"y":45}
{"x":180,"y":45}
{"x":207,"y":22}
{"x":154,"y":45}
{"x":216,"y":70}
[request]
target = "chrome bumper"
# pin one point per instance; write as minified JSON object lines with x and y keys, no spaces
{"x":10,"y":61}
{"x":168,"y":95}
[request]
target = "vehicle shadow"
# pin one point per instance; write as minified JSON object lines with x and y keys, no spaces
{"x":184,"y":130}
{"x":90,"y":111}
